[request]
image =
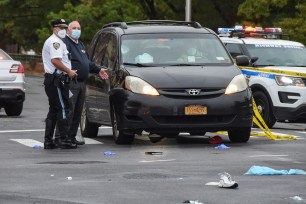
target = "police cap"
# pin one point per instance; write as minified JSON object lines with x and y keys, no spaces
{"x":59,"y":23}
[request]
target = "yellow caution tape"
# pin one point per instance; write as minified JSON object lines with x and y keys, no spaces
{"x":275,"y":71}
{"x":258,"y":120}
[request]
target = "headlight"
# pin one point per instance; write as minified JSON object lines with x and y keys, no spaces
{"x":238,"y":84}
{"x":289,"y":81}
{"x":139,"y":86}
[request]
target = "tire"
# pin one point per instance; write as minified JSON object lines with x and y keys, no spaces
{"x":265,"y":108}
{"x":88,"y":129}
{"x":240,"y":135}
{"x":120,"y":137}
{"x":197,"y":133}
{"x":13,"y":109}
{"x":170,"y":135}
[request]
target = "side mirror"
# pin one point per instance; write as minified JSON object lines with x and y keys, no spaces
{"x":242,"y":60}
{"x":254,"y":59}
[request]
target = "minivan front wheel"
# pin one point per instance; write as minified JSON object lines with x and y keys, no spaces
{"x":239,"y":135}
{"x":120,"y":137}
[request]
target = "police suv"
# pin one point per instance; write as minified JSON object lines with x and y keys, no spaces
{"x":277,"y":71}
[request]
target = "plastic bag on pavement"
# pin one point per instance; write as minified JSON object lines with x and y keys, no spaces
{"x":262,"y":170}
{"x":222,"y":146}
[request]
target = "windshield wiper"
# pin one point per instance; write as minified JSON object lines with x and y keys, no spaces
{"x":138,"y":64}
{"x":186,"y":64}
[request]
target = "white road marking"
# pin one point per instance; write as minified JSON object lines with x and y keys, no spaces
{"x":28,"y":142}
{"x":91,"y":141}
{"x":36,"y":130}
{"x":269,"y":155}
{"x":32,"y":143}
{"x":39,"y":130}
{"x":159,"y":160}
{"x":302,"y":132}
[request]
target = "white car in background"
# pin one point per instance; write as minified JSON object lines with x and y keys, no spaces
{"x":12,"y":85}
{"x":278,"y":96}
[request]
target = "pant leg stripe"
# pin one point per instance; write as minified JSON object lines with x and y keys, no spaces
{"x":62,"y":102}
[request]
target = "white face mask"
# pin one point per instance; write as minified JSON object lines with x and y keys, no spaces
{"x":61,"y":33}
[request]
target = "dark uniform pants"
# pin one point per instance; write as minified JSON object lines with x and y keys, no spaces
{"x":58,"y":96}
{"x":76,"y":103}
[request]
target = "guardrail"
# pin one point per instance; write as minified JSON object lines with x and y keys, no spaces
{"x":27,"y":58}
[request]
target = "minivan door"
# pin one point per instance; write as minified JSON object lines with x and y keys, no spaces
{"x":108,"y":60}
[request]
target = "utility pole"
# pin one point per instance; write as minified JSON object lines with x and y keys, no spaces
{"x":188,"y":10}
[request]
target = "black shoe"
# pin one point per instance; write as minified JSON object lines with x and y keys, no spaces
{"x":50,"y":145}
{"x":74,"y":141}
{"x":65,"y":144}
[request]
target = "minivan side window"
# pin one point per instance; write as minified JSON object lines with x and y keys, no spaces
{"x":111,"y":52}
{"x":100,"y":48}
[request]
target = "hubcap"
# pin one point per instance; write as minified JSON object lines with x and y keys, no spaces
{"x":260,"y":109}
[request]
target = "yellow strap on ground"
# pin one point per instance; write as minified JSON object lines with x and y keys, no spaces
{"x":275,"y":71}
{"x":258,"y":120}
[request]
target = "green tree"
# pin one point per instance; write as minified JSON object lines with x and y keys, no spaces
{"x":20,"y":20}
{"x":290,"y":15}
{"x":296,"y":26}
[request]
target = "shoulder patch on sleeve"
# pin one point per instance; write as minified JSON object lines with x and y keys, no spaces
{"x":56,"y":45}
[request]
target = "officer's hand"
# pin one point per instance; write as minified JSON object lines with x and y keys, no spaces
{"x":103,"y":74}
{"x":72,"y":74}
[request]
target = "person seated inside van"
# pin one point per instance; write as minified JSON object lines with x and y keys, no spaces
{"x":190,"y":53}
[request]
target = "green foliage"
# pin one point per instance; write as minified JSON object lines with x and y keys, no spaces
{"x":261,"y":11}
{"x":20,"y":20}
{"x":93,"y":14}
{"x":296,"y":27}
{"x":27,"y":22}
{"x":290,"y":15}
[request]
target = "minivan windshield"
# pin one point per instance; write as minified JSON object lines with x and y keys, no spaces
{"x":278,"y":55}
{"x":172,"y":49}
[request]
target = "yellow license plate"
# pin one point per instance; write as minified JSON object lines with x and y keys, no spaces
{"x":195,"y":110}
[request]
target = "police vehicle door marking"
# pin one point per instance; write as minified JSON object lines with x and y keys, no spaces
{"x":259,"y":74}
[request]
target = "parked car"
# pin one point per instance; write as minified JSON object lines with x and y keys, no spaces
{"x":12,"y":85}
{"x":278,"y":96}
{"x":165,"y":77}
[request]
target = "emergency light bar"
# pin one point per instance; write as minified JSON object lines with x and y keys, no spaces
{"x":251,"y":31}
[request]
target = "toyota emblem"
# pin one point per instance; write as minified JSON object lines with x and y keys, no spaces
{"x":194,"y":92}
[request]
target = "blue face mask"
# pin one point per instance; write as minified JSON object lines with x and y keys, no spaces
{"x":75,"y":34}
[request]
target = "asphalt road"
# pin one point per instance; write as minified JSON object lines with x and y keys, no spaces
{"x":179,"y":173}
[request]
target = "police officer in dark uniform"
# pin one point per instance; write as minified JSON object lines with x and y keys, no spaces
{"x":58,"y":74}
{"x":81,"y":63}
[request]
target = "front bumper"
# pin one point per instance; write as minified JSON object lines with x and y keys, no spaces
{"x":285,"y":113}
{"x":164,"y":114}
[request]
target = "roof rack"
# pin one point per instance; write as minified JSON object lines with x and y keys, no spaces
{"x":124,"y":25}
